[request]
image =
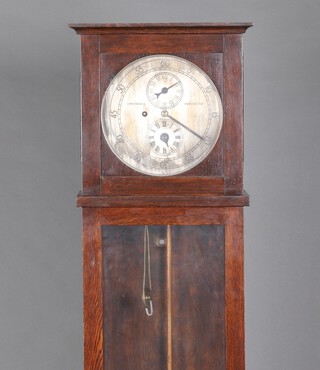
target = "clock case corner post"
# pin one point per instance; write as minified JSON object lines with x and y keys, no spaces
{"x":90,"y":111}
{"x":233,"y":108}
{"x":91,"y":216}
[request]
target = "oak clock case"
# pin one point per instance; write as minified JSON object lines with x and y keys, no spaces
{"x":162,"y":198}
{"x":161,"y":115}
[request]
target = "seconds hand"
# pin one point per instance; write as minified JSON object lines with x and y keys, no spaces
{"x":165,"y":114}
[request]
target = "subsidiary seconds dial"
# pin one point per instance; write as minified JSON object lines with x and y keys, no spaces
{"x":161,"y":115}
{"x":164,"y":90}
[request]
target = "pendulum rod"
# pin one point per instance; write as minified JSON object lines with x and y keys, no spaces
{"x":169,"y":299}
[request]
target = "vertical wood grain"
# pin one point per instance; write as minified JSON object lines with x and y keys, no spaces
{"x":234,"y":270}
{"x":169,"y":299}
{"x":92,"y":288}
{"x":198,"y":298}
{"x":90,"y":111}
{"x":233,"y":113}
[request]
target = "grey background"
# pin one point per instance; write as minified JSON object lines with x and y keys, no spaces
{"x":40,"y":227}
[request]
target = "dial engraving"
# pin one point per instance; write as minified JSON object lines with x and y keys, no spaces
{"x":161,"y":115}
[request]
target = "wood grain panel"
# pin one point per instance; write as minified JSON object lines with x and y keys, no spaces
{"x":172,"y":201}
{"x":198,"y":303}
{"x":153,"y":44}
{"x":163,"y":216}
{"x":178,"y":185}
{"x":133,"y":340}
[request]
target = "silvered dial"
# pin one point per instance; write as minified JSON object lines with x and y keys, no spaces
{"x":161,"y":115}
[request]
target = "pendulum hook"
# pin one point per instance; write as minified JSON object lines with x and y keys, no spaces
{"x":146,"y":283}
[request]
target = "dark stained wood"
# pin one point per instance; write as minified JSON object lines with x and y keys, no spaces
{"x":92,"y":290}
{"x":197,"y":298}
{"x":163,"y":216}
{"x":90,"y":112}
{"x":234,"y":309}
{"x":162,"y":185}
{"x":133,"y":340}
{"x":111,"y":28}
{"x":198,"y":303}
{"x":207,"y":43}
{"x":234,"y":277}
{"x":163,"y":201}
{"x":233,"y":113}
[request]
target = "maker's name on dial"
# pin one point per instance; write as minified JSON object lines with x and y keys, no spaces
{"x":193,"y":103}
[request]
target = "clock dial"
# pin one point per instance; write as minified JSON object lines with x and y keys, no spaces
{"x":165,"y":137}
{"x":164,"y":90}
{"x":161,"y":115}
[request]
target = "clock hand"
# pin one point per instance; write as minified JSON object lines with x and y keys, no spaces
{"x":164,"y":90}
{"x":186,"y":127}
{"x":165,"y":138}
{"x":173,"y":85}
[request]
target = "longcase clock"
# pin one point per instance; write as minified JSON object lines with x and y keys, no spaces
{"x":162,"y":197}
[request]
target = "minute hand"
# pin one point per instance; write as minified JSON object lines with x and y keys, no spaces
{"x":186,"y":127}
